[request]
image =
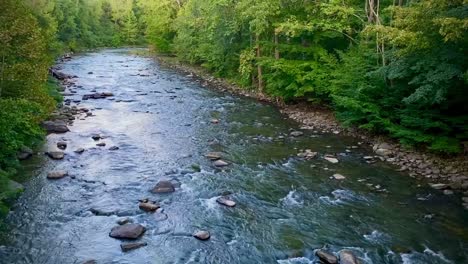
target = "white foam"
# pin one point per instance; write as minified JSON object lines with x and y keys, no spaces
{"x":300,"y":260}
{"x":292,"y":199}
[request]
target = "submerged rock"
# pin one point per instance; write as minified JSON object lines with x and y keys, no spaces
{"x":326,"y":257}
{"x":226,"y":201}
{"x":131,"y":246}
{"x":96,"y":137}
{"x":56,"y":126}
{"x":101,"y":144}
{"x":114,"y":148}
{"x":202,"y":235}
{"x":57,"y":174}
{"x":348,"y":257}
{"x":220,"y":163}
{"x":127,"y":231}
{"x":163,"y":187}
{"x":56,"y":155}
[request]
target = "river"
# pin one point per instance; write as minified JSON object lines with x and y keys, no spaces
{"x":286,"y":207}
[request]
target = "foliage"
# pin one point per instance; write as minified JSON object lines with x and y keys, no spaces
{"x":392,"y":68}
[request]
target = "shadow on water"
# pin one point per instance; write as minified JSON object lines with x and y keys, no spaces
{"x":286,"y":206}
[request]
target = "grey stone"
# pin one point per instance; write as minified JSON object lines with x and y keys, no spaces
{"x":202,"y":235}
{"x":127,"y":231}
{"x":326,"y":257}
{"x":163,"y":187}
{"x":132,"y":246}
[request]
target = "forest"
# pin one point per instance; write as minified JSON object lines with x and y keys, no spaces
{"x":392,"y":67}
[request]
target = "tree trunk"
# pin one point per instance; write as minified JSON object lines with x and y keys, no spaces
{"x":277,"y":54}
{"x":259,"y":68}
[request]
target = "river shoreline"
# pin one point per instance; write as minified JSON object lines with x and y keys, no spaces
{"x":446,"y":174}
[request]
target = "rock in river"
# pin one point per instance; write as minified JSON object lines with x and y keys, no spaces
{"x":220,"y":163}
{"x":338,"y":176}
{"x":148,"y":206}
{"x":296,"y":133}
{"x":226,"y":201}
{"x":331,"y":159}
{"x":79,"y":150}
{"x":131,"y":246}
{"x":57,"y":174}
{"x":163,"y":187}
{"x":326,"y":257}
{"x":348,"y":257}
{"x":56,"y":126}
{"x":202,"y":235}
{"x":57,"y":155}
{"x":62,"y":145}
{"x":127,"y":231}
{"x":214,"y":155}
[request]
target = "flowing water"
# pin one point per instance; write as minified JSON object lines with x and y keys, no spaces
{"x":286,"y":206}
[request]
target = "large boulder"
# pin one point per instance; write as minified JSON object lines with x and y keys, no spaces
{"x":127,"y":231}
{"x":55,"y":126}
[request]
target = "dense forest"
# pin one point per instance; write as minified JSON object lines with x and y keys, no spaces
{"x":394,"y":67}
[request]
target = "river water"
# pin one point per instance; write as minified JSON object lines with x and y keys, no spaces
{"x":286,"y":206}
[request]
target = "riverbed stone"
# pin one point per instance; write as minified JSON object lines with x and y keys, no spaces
{"x":55,"y":126}
{"x":383,"y":152}
{"x":62,"y":145}
{"x":338,"y":176}
{"x":202,"y":235}
{"x":296,"y":133}
{"x":127,"y":231}
{"x":220,"y":163}
{"x":101,"y":144}
{"x":123,"y":221}
{"x":114,"y":148}
{"x":326,"y":257}
{"x":54,"y":175}
{"x":56,"y":155}
{"x":163,"y":187}
{"x":79,"y":150}
{"x":132,"y":246}
{"x":148,"y":206}
{"x":96,"y":137}
{"x":226,"y":201}
{"x":331,"y":159}
{"x":214,"y":155}
{"x":439,"y":186}
{"x":348,"y":257}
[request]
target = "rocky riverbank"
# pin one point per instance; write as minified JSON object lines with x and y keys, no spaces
{"x":447,"y":174}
